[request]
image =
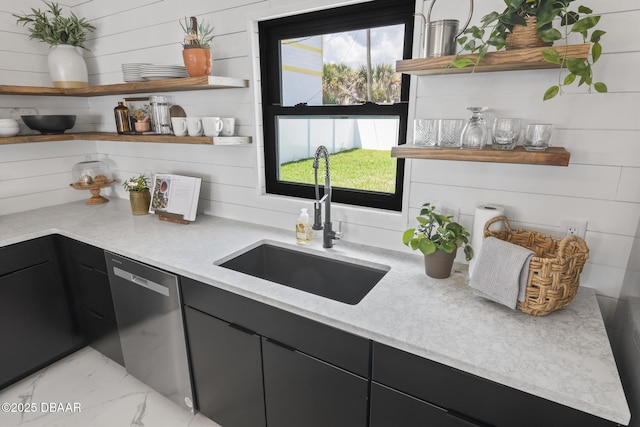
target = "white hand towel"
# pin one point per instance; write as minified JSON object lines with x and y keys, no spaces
{"x":501,"y":272}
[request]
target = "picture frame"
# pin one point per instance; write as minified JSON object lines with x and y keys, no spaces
{"x":139,"y":108}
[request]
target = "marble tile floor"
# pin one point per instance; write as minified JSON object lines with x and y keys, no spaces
{"x":87,"y":389}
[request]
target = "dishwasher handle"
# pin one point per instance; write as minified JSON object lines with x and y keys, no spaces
{"x":141,"y":281}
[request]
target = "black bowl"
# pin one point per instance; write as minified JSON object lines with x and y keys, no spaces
{"x":50,"y":124}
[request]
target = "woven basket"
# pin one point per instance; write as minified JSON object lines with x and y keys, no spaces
{"x":522,"y":37}
{"x":554,"y":270}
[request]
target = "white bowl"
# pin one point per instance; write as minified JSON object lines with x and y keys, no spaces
{"x":9,"y":127}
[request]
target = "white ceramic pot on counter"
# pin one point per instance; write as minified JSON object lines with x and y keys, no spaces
{"x":9,"y":127}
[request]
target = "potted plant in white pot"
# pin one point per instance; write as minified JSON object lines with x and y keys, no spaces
{"x":438,"y":237}
{"x":529,"y":23}
{"x":197,"y":51}
{"x":139,"y":194}
{"x":66,"y":37}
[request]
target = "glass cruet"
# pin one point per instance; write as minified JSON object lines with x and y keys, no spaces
{"x":476,"y":132}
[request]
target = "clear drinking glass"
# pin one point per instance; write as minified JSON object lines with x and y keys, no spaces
{"x":537,"y":137}
{"x":425,"y":132}
{"x":449,"y":132}
{"x":475,"y":132}
{"x":506,"y":133}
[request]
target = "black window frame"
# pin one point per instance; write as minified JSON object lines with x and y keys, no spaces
{"x":371,"y":14}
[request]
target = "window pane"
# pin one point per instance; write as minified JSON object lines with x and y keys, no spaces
{"x":342,"y":68}
{"x":359,"y":147}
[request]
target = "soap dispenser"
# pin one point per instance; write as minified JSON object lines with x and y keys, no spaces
{"x":304,"y":232}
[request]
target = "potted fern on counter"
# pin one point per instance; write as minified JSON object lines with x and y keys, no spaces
{"x":139,"y":194}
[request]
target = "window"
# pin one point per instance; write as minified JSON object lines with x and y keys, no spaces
{"x":328,"y":78}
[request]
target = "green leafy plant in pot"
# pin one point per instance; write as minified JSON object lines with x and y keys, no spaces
{"x":66,"y":36}
{"x":438,"y":237}
{"x":139,"y":194}
{"x":498,"y":27}
{"x":197,"y":52}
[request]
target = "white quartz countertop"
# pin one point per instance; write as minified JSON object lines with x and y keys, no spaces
{"x":563,"y":357}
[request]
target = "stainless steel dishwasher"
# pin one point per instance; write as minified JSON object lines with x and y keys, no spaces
{"x":148,"y":310}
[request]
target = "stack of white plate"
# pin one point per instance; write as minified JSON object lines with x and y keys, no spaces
{"x":131,"y":72}
{"x":161,"y":72}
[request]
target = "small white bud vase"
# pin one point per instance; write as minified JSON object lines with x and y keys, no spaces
{"x":67,"y":67}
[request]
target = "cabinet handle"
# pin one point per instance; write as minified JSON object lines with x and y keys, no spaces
{"x":242,"y":329}
{"x":279,"y":344}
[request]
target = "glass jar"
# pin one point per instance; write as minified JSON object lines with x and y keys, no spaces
{"x":121,"y":113}
{"x":160,"y":116}
{"x":91,"y":172}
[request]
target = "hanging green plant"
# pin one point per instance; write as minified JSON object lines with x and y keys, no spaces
{"x":495,"y":28}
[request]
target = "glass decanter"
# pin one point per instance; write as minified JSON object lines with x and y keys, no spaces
{"x":476,"y":132}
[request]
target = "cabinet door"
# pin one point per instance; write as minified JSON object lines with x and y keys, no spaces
{"x":227,"y":371}
{"x":303,"y":391}
{"x":390,"y":408}
{"x":36,"y":326}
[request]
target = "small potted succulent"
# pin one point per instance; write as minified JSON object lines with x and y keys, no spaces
{"x":197,"y":52}
{"x":529,"y":23}
{"x":66,"y":37}
{"x":438,"y":237}
{"x":139,"y":194}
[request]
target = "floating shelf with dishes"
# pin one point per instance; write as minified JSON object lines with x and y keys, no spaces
{"x":505,"y":60}
{"x":553,"y":156}
{"x":109,"y":136}
{"x":167,"y":85}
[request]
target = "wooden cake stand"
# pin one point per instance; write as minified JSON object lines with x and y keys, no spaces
{"x":94,"y":188}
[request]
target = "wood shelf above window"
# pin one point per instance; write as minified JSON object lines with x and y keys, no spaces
{"x":108,"y":136}
{"x":167,"y":85}
{"x":553,"y":156}
{"x":504,"y":60}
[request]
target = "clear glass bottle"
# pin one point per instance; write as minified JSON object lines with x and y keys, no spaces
{"x":121,"y":113}
{"x":475,"y":132}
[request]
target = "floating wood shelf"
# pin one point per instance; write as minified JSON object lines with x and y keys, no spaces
{"x":108,"y":136}
{"x":168,"y":85}
{"x":504,"y":60}
{"x":553,"y":156}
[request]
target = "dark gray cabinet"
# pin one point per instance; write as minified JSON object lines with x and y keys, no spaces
{"x":227,"y":370}
{"x":34,"y":314}
{"x":314,"y":374}
{"x":471,"y":398}
{"x":87,"y":279}
{"x":301,"y":390}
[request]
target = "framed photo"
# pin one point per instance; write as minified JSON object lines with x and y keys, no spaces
{"x":139,"y":108}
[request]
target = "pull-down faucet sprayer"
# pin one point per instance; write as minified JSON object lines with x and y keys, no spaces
{"x":328,"y":235}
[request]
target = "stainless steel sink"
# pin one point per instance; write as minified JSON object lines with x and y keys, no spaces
{"x":338,"y":280}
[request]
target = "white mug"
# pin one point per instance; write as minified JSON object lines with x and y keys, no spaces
{"x":194,"y":126}
{"x":179,"y":125}
{"x":212,"y":126}
{"x":228,"y":126}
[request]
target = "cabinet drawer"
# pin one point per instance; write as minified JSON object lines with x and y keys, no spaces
{"x":332,"y":345}
{"x":94,"y":291}
{"x":86,"y":254}
{"x":391,"y":408}
{"x":471,"y":395}
{"x":25,"y":254}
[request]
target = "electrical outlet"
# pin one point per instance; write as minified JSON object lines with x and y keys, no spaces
{"x":573,"y":227}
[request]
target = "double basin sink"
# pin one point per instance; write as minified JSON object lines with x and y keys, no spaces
{"x":339,"y":280}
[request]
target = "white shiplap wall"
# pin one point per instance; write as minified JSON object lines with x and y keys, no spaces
{"x":602,"y":131}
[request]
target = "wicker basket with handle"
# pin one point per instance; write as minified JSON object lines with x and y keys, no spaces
{"x":554,"y":270}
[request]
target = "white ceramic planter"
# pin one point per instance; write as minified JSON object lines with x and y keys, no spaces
{"x":67,"y":67}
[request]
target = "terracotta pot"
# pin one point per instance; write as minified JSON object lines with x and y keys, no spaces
{"x":197,"y":61}
{"x":67,"y":67}
{"x":439,"y":264}
{"x":140,"y":201}
{"x":525,"y":37}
